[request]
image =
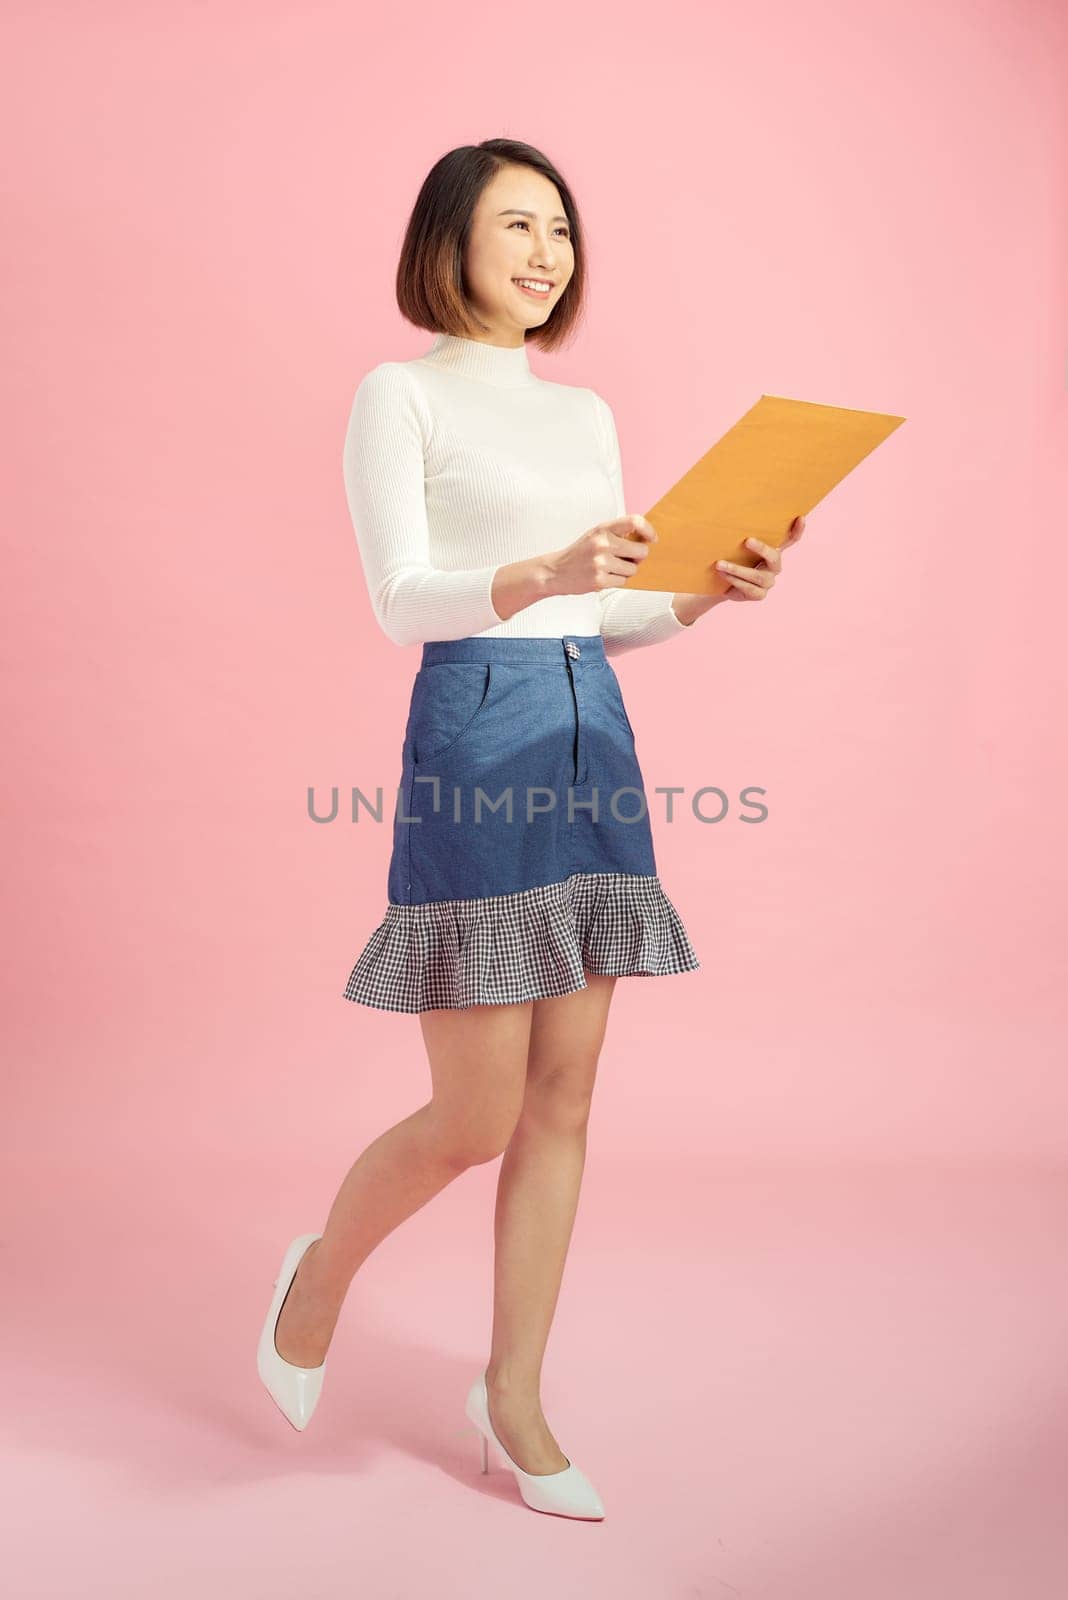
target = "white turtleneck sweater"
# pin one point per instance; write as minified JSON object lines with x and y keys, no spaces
{"x":462,"y":460}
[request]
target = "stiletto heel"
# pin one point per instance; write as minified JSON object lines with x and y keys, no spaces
{"x":567,"y":1493}
{"x":295,"y":1390}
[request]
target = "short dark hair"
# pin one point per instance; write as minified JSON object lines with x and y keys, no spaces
{"x":430,"y":286}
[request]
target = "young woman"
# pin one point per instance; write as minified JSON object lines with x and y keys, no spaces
{"x":522,"y":881}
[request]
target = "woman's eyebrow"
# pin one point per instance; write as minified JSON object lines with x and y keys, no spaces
{"x":513,"y":211}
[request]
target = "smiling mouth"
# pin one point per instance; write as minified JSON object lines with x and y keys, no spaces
{"x":534,"y":286}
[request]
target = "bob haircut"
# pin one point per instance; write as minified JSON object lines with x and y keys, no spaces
{"x":430,"y":285}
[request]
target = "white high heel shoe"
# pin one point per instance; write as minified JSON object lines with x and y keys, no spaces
{"x":295,"y":1390}
{"x":567,"y":1493}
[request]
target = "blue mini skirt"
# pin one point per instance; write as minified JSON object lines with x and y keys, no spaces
{"x":522,"y":854}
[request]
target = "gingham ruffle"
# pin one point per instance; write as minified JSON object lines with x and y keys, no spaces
{"x":523,"y":946}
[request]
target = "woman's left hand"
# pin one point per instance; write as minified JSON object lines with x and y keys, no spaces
{"x":744,"y":583}
{"x":753,"y":583}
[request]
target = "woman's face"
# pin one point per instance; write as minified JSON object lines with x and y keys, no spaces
{"x":518,"y":231}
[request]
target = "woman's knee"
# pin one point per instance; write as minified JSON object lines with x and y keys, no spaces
{"x":561,"y":1097}
{"x":475,"y":1136}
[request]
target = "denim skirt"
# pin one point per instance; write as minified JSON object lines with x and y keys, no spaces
{"x":522,"y":851}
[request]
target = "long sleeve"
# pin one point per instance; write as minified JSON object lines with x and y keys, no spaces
{"x":383,"y":465}
{"x":630,"y":618}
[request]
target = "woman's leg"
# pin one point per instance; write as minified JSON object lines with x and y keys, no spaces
{"x":537,"y":1198}
{"x":478,"y":1064}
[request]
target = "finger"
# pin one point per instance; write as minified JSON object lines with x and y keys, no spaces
{"x":752,"y":591}
{"x":619,"y":567}
{"x":621,"y":549}
{"x":762,"y":576}
{"x":768,"y":551}
{"x":639,"y":527}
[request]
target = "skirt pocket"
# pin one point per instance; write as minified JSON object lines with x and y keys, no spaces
{"x":448,"y":699}
{"x":616,"y":696}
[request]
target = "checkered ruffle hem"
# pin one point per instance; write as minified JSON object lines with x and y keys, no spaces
{"x":528,"y":945}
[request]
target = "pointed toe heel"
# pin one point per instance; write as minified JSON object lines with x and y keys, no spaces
{"x":294,"y":1390}
{"x":567,"y":1493}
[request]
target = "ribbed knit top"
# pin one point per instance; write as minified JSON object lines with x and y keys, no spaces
{"x":463,"y":460}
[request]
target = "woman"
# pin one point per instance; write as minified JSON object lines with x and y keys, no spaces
{"x":508,"y":922}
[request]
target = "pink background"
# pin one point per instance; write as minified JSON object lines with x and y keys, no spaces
{"x":808,"y":1341}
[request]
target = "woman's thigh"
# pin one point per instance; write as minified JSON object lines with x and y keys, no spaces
{"x":478,"y":1066}
{"x":485,"y":1059}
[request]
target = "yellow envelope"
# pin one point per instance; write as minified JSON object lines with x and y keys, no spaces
{"x":775,"y":464}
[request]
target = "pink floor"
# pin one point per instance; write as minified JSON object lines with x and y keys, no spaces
{"x":844,"y":1384}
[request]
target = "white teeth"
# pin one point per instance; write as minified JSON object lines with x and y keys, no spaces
{"x":528,"y":283}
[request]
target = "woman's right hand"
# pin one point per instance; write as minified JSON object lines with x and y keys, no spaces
{"x":602,"y":558}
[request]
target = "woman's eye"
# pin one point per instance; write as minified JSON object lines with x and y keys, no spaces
{"x":521,"y":223}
